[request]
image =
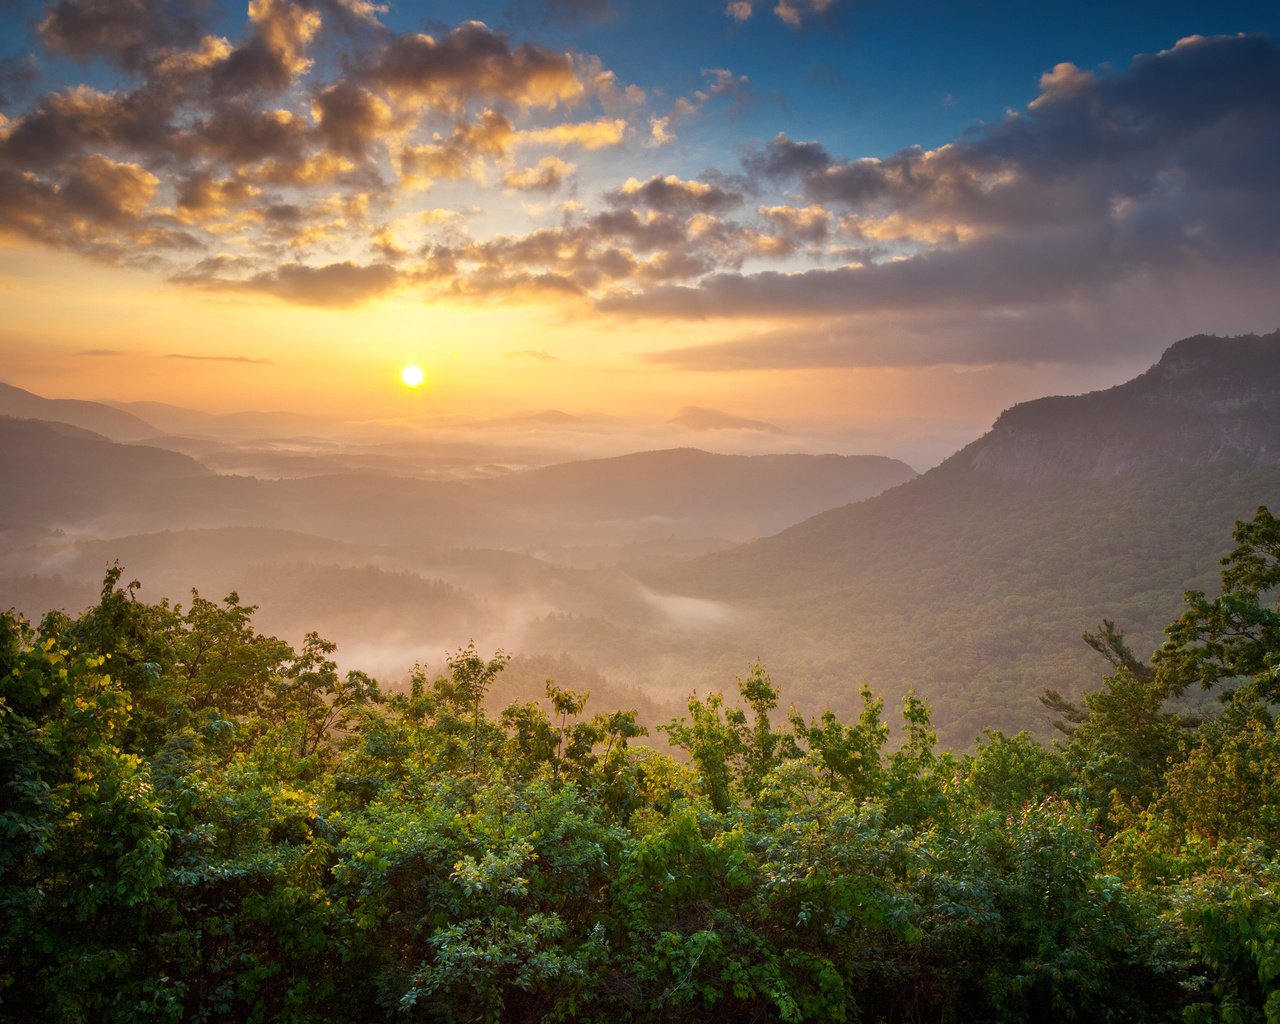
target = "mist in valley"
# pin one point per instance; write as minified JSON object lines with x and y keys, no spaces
{"x":527,"y":535}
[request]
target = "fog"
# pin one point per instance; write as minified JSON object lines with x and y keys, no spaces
{"x":405,"y":541}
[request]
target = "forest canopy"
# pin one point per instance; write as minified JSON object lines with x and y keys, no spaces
{"x":199,"y":822}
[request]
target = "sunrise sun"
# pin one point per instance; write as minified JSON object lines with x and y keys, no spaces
{"x":412,"y":376}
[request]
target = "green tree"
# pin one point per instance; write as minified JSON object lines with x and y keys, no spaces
{"x":1235,"y":637}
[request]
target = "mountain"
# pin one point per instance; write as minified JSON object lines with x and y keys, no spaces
{"x":395,"y":568}
{"x":96,"y":416}
{"x":1207,"y":400}
{"x":687,"y":490}
{"x":233,"y":426}
{"x":59,"y":473}
{"x":974,"y":582}
{"x":82,"y":480}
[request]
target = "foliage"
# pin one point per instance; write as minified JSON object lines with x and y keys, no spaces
{"x":200,"y":823}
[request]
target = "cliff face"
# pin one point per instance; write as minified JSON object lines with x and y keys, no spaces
{"x":1206,"y":400}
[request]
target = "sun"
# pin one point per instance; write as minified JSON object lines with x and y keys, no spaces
{"x":412,"y":376}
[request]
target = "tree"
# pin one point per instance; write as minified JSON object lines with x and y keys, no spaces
{"x":1235,"y":636}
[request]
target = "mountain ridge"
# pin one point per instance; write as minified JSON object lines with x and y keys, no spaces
{"x":1206,"y":399}
{"x":116,"y":424}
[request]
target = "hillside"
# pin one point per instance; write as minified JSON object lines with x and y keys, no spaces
{"x":974,"y":581}
{"x":71,"y":475}
{"x":686,"y":489}
{"x":116,"y":424}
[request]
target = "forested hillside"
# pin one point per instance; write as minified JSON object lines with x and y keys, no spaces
{"x":973,"y":581}
{"x":203,"y":823}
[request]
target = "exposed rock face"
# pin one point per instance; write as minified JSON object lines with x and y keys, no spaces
{"x":1207,"y":400}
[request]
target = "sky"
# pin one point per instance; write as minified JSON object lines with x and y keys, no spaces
{"x":848,"y":225}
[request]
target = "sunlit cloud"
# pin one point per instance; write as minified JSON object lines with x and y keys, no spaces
{"x":547,"y":176}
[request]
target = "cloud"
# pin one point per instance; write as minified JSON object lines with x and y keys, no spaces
{"x":974,"y":338}
{"x":460,"y":155}
{"x":102,"y":208}
{"x":350,"y":118}
{"x":792,"y":227}
{"x":242,"y":142}
{"x":218,"y":359}
{"x":782,"y":159}
{"x":336,"y":285}
{"x":65,"y":124}
{"x":547,"y":176}
{"x":100,"y":352}
{"x":669,"y":194}
{"x":599,"y":134}
{"x":1162,"y":172}
{"x":260,"y":163}
{"x":126,"y":32}
{"x":472,"y":60}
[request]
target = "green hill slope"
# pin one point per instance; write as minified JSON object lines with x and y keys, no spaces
{"x":974,"y":581}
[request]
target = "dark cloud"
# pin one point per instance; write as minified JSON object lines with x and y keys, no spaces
{"x":125,"y":32}
{"x":782,"y":158}
{"x":1164,"y":172}
{"x":668,"y":194}
{"x":336,"y":285}
{"x":202,"y":194}
{"x":273,"y":55}
{"x":108,"y":192}
{"x":100,"y":352}
{"x":473,"y":60}
{"x":1000,"y":271}
{"x":1165,"y":139}
{"x":65,"y":124}
{"x":350,"y":118}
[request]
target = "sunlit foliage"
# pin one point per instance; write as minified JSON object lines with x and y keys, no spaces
{"x":200,"y":823}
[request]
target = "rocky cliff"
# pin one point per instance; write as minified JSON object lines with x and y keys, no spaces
{"x":1207,"y":400}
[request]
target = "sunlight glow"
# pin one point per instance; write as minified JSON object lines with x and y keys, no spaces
{"x":412,"y":376}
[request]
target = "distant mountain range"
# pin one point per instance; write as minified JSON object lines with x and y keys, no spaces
{"x":971,"y":583}
{"x":391,"y":566}
{"x":76,"y":478}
